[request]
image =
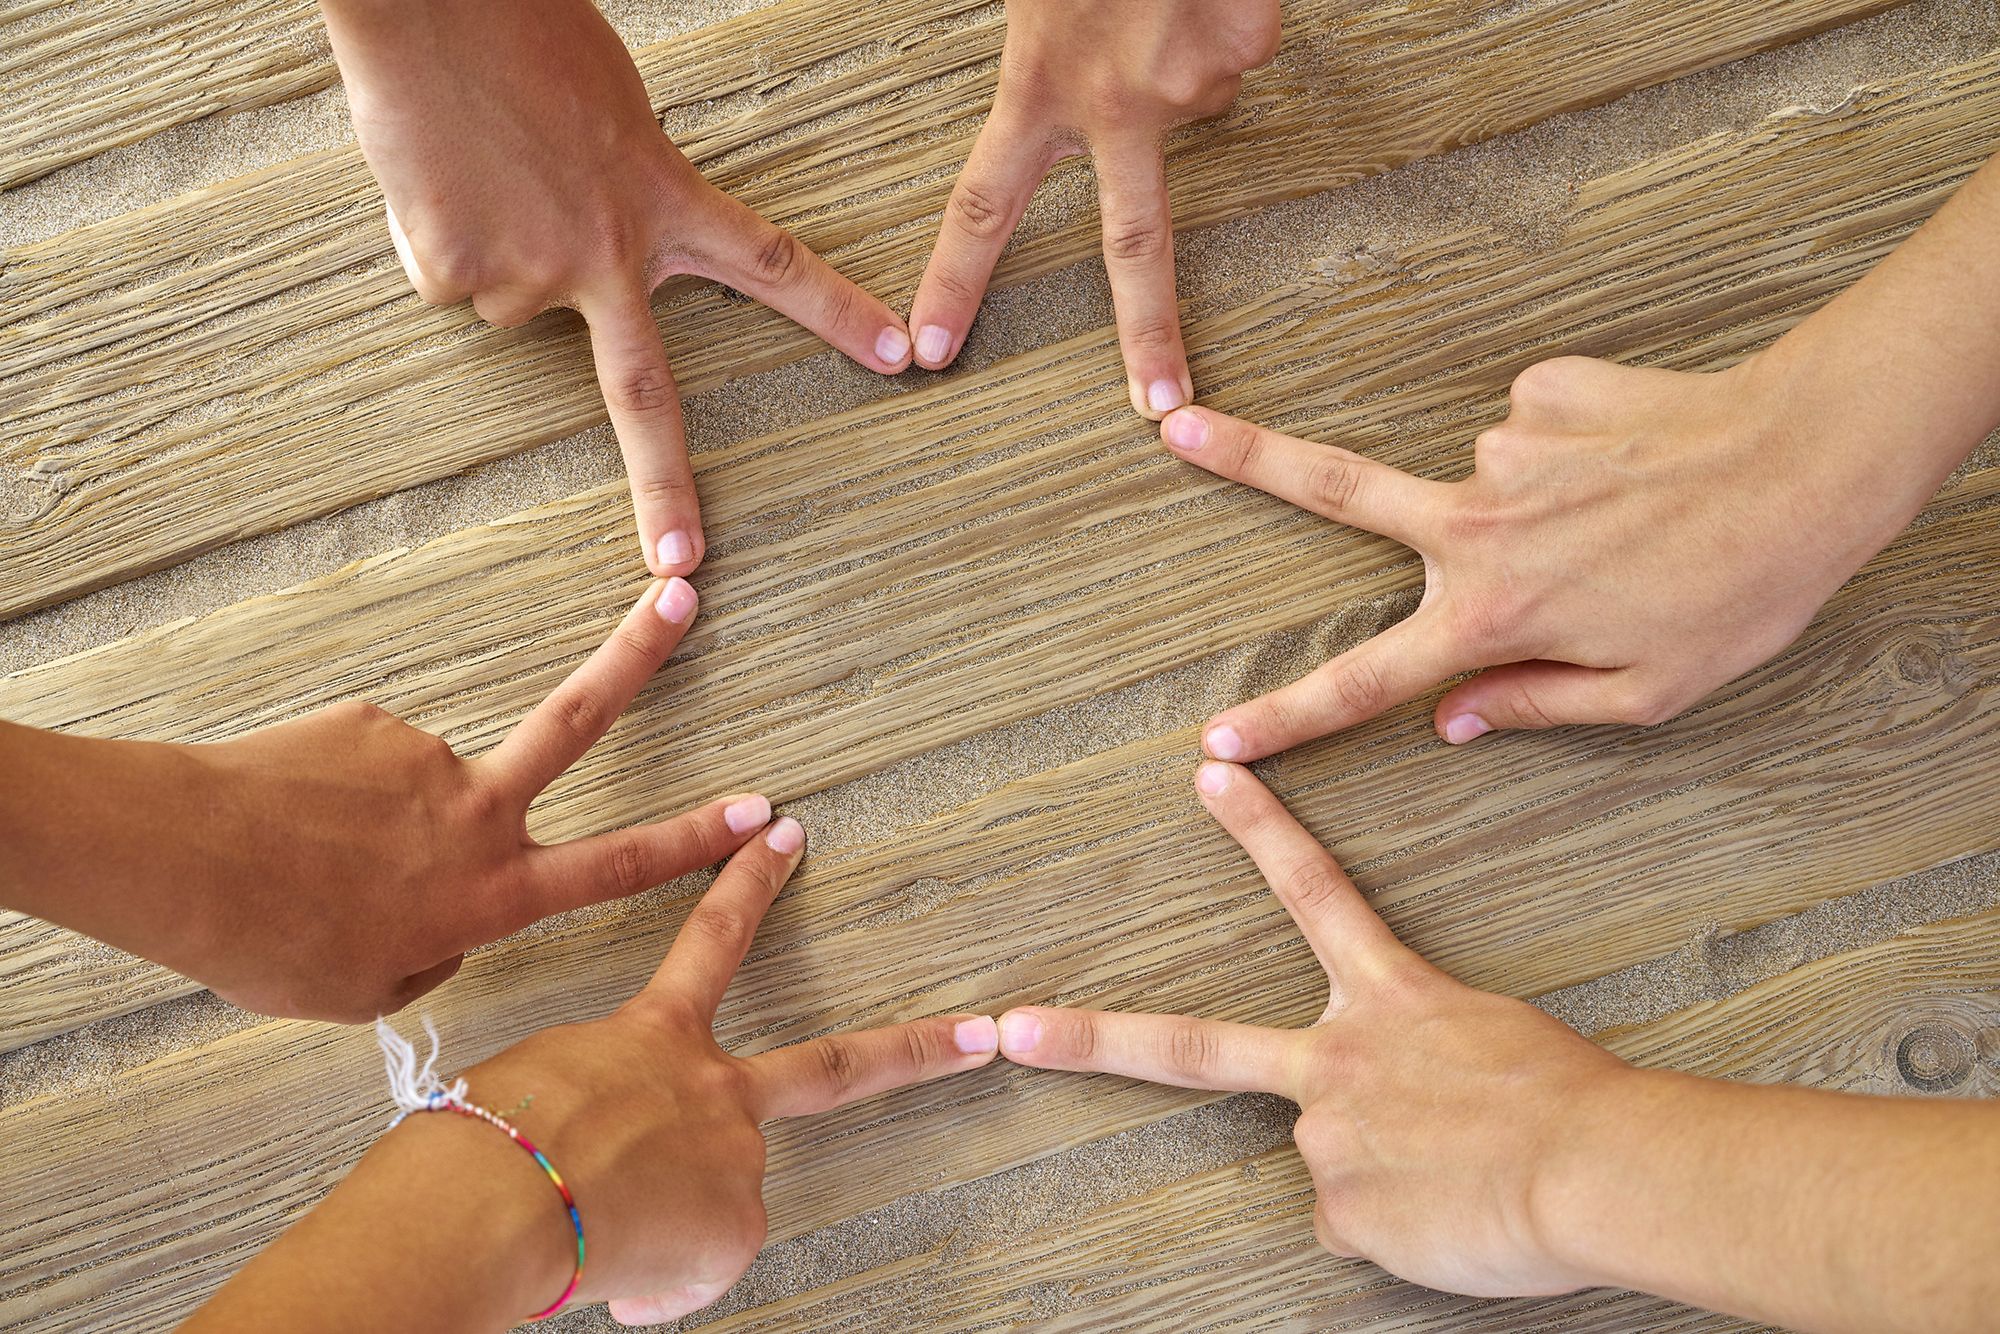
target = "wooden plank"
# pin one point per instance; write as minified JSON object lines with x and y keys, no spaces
{"x":1233,"y":1247}
{"x":78,"y":78}
{"x":836,"y":638}
{"x":281,"y":355}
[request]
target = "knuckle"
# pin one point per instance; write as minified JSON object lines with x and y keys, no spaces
{"x":640,"y":389}
{"x":580,"y":713}
{"x":662,"y":491}
{"x":719,"y":925}
{"x":1525,"y":708}
{"x":1332,"y":482}
{"x":1151,"y":336}
{"x":627,"y":865}
{"x":1546,"y":385}
{"x":454,"y":269}
{"x":979,"y":210}
{"x":922,"y":1047}
{"x":839,"y":1063}
{"x":1079,"y":1039}
{"x":1191,"y":1048}
{"x":1313,"y":885}
{"x":1136,"y":240}
{"x":1643,"y":706}
{"x":1359,"y":687}
{"x":778,"y":258}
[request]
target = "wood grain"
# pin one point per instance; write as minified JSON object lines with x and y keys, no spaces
{"x":1233,"y":1247}
{"x":976,"y":568}
{"x":78,"y":78}
{"x":836,"y":637}
{"x":293,"y":264}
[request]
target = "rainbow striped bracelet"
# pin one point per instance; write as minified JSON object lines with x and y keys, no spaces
{"x":420,"y":1090}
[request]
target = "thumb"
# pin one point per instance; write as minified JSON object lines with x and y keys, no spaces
{"x":1537,"y":695}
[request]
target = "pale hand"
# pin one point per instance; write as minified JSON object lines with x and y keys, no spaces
{"x":1630,"y":540}
{"x":342,"y":863}
{"x":1431,"y":1113}
{"x":523,"y":168}
{"x":1109,"y":79}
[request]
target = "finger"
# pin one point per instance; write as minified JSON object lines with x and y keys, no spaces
{"x":1533,"y":695}
{"x":433,"y":290}
{"x":764,"y":261}
{"x":1139,"y":259}
{"x":626,"y":861}
{"x":1006,"y":165}
{"x":645,"y":411}
{"x":1163,"y":1048}
{"x":717,"y":934}
{"x":1372,"y":677}
{"x":566,"y":724}
{"x":1325,"y":479}
{"x":1331,"y":913}
{"x":830,"y":1072}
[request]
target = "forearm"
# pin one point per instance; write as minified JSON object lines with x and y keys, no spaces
{"x":81,"y":822}
{"x":443,"y":1225}
{"x":1897,"y":380}
{"x":1819,"y":1211}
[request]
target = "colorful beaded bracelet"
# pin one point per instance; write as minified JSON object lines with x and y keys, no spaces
{"x":420,"y":1090}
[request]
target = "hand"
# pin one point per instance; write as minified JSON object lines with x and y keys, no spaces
{"x":1110,"y":78}
{"x":1630,"y":540}
{"x":1432,"y":1115}
{"x":654,"y":1127}
{"x":524,"y":168}
{"x":337,"y":866}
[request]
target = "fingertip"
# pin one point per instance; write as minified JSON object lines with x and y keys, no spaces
{"x":1213,"y":778}
{"x":787,"y":837}
{"x":935,"y":346}
{"x":677,"y":552}
{"x":1223,"y":741}
{"x":677,"y":601}
{"x":892,"y":349}
{"x":1020,"y":1033}
{"x":1155,"y":397}
{"x":977,"y":1036}
{"x":1461,"y":727}
{"x":748,"y":813}
{"x":1184,"y":429}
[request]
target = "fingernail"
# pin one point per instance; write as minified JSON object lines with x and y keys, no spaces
{"x":892,"y":345}
{"x":1186,"y":430}
{"x":975,"y":1037}
{"x":676,"y":548}
{"x":933,"y":343}
{"x":1223,"y":742}
{"x":677,"y":601}
{"x":786,"y":836}
{"x":1019,"y":1033}
{"x":1212,"y":780}
{"x":1464,"y":727}
{"x":1164,"y":395}
{"x":747,"y":813}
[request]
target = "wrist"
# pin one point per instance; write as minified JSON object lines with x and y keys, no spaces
{"x":1614,"y":1131}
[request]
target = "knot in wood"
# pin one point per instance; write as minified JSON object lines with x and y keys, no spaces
{"x":1934,"y":1057}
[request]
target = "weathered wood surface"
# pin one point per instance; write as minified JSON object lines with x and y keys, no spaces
{"x":381,"y":392}
{"x":1013,"y":544}
{"x":837,"y":636}
{"x":1233,"y":1247}
{"x":79,"y":77}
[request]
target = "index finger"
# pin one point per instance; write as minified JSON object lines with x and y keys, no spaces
{"x":1138,"y":223}
{"x":1371,"y":678}
{"x":717,"y":934}
{"x":830,"y":1072}
{"x":645,"y":410}
{"x":1333,"y":917}
{"x":1172,"y":1049}
{"x":1007,"y":163}
{"x":1329,"y":481}
{"x":557,"y":732}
